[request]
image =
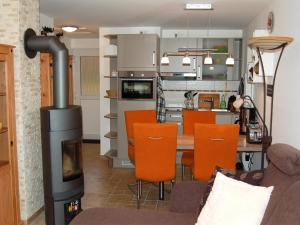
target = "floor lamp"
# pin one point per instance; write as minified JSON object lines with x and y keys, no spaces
{"x":267,"y":44}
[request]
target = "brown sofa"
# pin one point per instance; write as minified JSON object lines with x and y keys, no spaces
{"x":284,"y":207}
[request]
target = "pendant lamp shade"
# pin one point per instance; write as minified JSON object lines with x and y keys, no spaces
{"x":208,"y":60}
{"x":230,"y":60}
{"x":165,"y":60}
{"x":186,"y":61}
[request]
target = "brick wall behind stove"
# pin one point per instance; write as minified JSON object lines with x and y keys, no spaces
{"x":16,"y":16}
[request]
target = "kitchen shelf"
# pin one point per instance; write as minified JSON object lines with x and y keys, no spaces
{"x":111,"y":97}
{"x":111,"y":116}
{"x":111,"y":36}
{"x":3,"y":130}
{"x":111,"y":76}
{"x":111,"y":153}
{"x":2,"y":93}
{"x":111,"y":135}
{"x":269,"y":43}
{"x":110,"y":56}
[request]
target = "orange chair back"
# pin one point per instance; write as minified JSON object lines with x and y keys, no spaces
{"x":155,"y":151}
{"x":191,"y":117}
{"x":137,"y":116}
{"x":215,"y":145}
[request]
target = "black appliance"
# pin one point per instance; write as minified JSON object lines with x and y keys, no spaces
{"x":61,"y":126}
{"x":137,"y":85}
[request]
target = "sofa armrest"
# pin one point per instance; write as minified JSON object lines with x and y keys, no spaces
{"x":186,"y":196}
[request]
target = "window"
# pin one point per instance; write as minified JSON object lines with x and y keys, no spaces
{"x":89,"y":75}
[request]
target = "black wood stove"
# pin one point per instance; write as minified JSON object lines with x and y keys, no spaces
{"x":61,"y":126}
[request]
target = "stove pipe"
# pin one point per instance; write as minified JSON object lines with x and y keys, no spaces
{"x":51,"y":44}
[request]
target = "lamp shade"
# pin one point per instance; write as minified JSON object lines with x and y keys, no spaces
{"x":230,"y":61}
{"x":186,"y":61}
{"x":165,"y":60}
{"x":208,"y":60}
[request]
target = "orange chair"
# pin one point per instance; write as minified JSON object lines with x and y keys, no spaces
{"x":215,"y":145}
{"x":190,"y":118}
{"x":137,"y":116}
{"x":155,"y":155}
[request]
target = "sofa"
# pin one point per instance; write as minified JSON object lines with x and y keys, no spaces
{"x":283,"y":172}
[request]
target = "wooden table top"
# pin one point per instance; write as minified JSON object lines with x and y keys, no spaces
{"x":187,"y":142}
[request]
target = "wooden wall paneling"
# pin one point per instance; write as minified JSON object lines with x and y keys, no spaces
{"x":46,"y":77}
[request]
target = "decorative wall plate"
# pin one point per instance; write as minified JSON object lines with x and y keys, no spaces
{"x":270,"y":22}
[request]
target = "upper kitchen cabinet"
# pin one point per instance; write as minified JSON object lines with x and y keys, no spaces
{"x":235,"y":48}
{"x":138,"y":52}
{"x":219,"y":70}
{"x":175,"y":65}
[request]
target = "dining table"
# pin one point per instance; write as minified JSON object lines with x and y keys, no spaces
{"x":186,"y":142}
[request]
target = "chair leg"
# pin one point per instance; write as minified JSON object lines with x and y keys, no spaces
{"x":138,"y":192}
{"x":161,"y":190}
{"x":172,"y":184}
{"x":182,"y":172}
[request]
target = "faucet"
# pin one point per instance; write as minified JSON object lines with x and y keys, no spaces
{"x":211,"y":101}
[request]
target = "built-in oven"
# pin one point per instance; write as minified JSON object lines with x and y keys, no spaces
{"x":137,"y":85}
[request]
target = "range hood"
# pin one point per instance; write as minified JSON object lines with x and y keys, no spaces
{"x":178,"y":76}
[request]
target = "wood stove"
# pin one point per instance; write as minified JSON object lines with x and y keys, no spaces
{"x":61,"y":126}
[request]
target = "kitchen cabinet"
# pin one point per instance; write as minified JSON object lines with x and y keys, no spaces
{"x":235,"y":48}
{"x":175,"y":65}
{"x":219,"y":70}
{"x":9,"y":193}
{"x":138,"y":52}
{"x":46,"y":79}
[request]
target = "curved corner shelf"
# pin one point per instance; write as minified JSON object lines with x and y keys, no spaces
{"x":111,"y":116}
{"x":111,"y":97}
{"x":110,"y":56}
{"x":110,"y":77}
{"x":111,"y":36}
{"x":111,"y":135}
{"x":269,"y":43}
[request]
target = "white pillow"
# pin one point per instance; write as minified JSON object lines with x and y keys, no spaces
{"x":233,"y":202}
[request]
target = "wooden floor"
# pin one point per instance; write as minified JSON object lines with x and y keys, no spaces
{"x":108,"y":187}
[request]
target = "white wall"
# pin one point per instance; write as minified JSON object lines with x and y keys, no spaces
{"x":46,"y":21}
{"x":286,"y":118}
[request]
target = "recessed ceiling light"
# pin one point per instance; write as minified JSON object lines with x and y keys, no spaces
{"x":69,"y":28}
{"x":198,"y":6}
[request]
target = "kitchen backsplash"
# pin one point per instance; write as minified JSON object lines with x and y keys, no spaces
{"x":174,"y":90}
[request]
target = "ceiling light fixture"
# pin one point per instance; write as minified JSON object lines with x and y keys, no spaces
{"x":165,"y":59}
{"x":198,"y":6}
{"x":69,"y":28}
{"x":186,"y":61}
{"x":229,"y":60}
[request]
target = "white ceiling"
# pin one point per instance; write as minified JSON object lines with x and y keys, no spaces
{"x":231,"y":14}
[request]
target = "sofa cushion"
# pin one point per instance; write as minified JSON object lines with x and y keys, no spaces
{"x":122,"y":216}
{"x":285,"y":157}
{"x":233,"y":202}
{"x":288,"y":208}
{"x":251,"y":177}
{"x":186,"y":196}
